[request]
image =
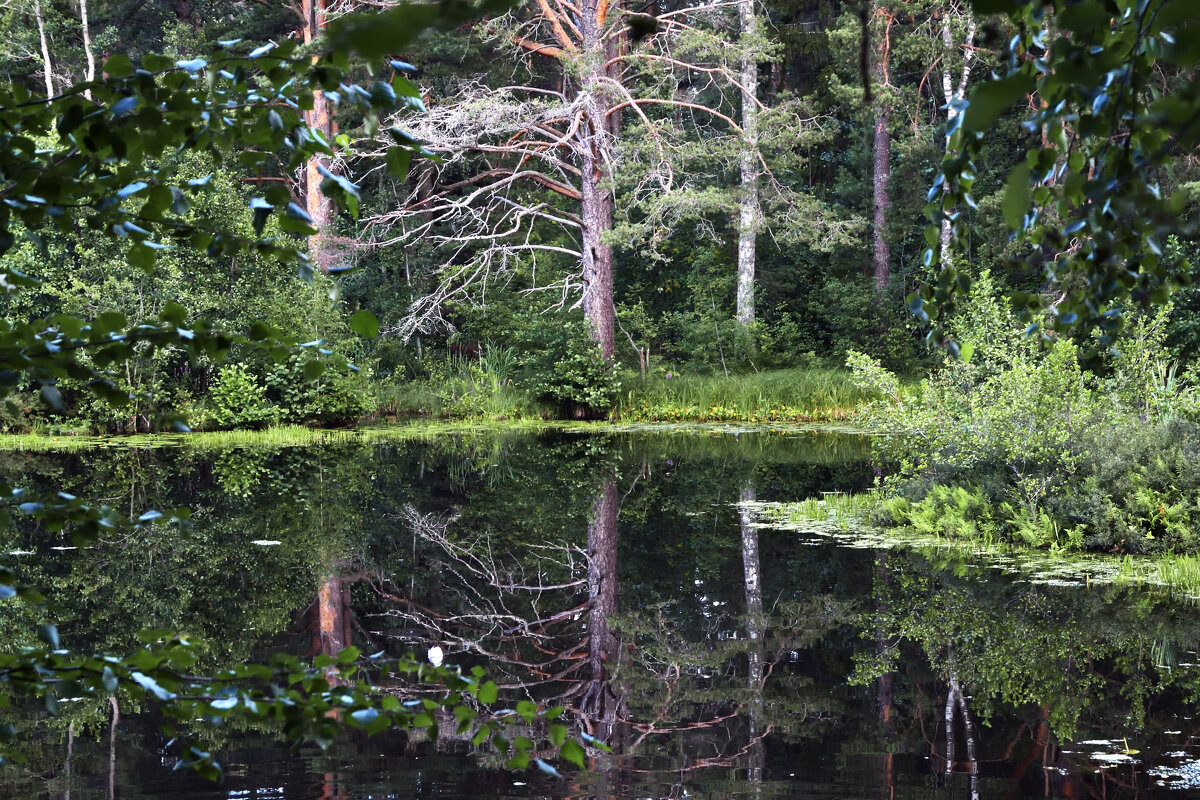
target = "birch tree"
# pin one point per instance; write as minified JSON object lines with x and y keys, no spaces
{"x":956,"y":15}
{"x":45,"y":43}
{"x":750,"y":216}
{"x":90,"y":74}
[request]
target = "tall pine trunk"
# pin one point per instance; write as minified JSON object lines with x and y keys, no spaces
{"x":600,"y":698}
{"x":882,"y":149}
{"x":749,"y":217}
{"x":318,"y":206}
{"x":596,"y":198}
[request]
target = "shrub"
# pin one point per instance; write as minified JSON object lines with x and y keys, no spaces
{"x":238,"y":400}
{"x":582,"y":380}
{"x":331,"y":398}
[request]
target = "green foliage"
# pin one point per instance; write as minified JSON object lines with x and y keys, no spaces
{"x":581,"y":380}
{"x":237,"y":399}
{"x":1098,"y":210}
{"x":798,"y":395}
{"x":324,"y":398}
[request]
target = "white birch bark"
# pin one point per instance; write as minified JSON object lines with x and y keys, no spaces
{"x":954,"y":96}
{"x":87,"y":47}
{"x":41,"y":25}
{"x":750,"y":215}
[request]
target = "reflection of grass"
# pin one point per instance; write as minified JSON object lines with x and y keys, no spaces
{"x":844,"y":518}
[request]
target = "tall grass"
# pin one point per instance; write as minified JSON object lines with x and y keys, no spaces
{"x":808,"y":393}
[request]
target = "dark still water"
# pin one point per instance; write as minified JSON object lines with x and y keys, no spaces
{"x":614,"y":575}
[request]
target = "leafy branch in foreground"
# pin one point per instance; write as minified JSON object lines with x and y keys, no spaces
{"x":1113,"y":88}
{"x":307,"y":702}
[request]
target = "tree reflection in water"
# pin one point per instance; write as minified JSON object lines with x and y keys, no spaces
{"x":626,"y":580}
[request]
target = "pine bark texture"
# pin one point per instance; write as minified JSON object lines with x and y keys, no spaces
{"x":596,"y":198}
{"x":603,"y":647}
{"x":882,"y":161}
{"x":318,"y":206}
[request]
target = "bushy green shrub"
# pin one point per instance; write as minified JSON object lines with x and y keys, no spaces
{"x":583,"y":383}
{"x":330,"y":398}
{"x":1016,"y":441}
{"x":238,"y":399}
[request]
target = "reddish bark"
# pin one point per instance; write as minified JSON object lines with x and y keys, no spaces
{"x":318,"y":206}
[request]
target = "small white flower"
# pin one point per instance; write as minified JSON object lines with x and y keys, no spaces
{"x":436,"y":655}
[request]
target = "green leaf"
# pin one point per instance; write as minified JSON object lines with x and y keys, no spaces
{"x":365,"y":324}
{"x":313,"y":369}
{"x":398,"y":161}
{"x":488,"y":693}
{"x":49,"y":635}
{"x":365,"y":716}
{"x":52,"y":397}
{"x":989,"y":100}
{"x":141,"y":256}
{"x":572,"y":751}
{"x":153,"y":62}
{"x":118,"y":65}
{"x":558,"y":735}
{"x":1017,"y":195}
{"x":527,"y":710}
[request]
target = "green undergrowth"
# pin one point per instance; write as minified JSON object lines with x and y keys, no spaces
{"x":282,"y":436}
{"x":479,"y":391}
{"x":791,"y":395}
{"x":852,"y":520}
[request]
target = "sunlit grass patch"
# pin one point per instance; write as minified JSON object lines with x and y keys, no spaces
{"x":794,"y":395}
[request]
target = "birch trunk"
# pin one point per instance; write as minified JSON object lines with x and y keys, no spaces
{"x":87,"y":47}
{"x":318,"y":206}
{"x":750,"y":213}
{"x":41,"y":26}
{"x":755,"y":633}
{"x":954,"y":96}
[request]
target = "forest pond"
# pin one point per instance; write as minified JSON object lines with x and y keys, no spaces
{"x":621,"y":575}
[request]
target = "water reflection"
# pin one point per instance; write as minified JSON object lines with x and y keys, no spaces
{"x":626,"y":578}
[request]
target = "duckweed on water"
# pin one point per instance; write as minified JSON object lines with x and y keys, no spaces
{"x":845,"y":519}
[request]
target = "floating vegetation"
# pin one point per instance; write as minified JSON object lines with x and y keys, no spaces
{"x":1184,"y":776}
{"x":844,"y":518}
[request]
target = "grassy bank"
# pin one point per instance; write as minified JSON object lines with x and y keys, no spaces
{"x":274,"y":437}
{"x":792,"y":395}
{"x":845,"y":440}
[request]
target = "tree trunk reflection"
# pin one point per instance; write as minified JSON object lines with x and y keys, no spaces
{"x":755,"y":654}
{"x":601,"y":700}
